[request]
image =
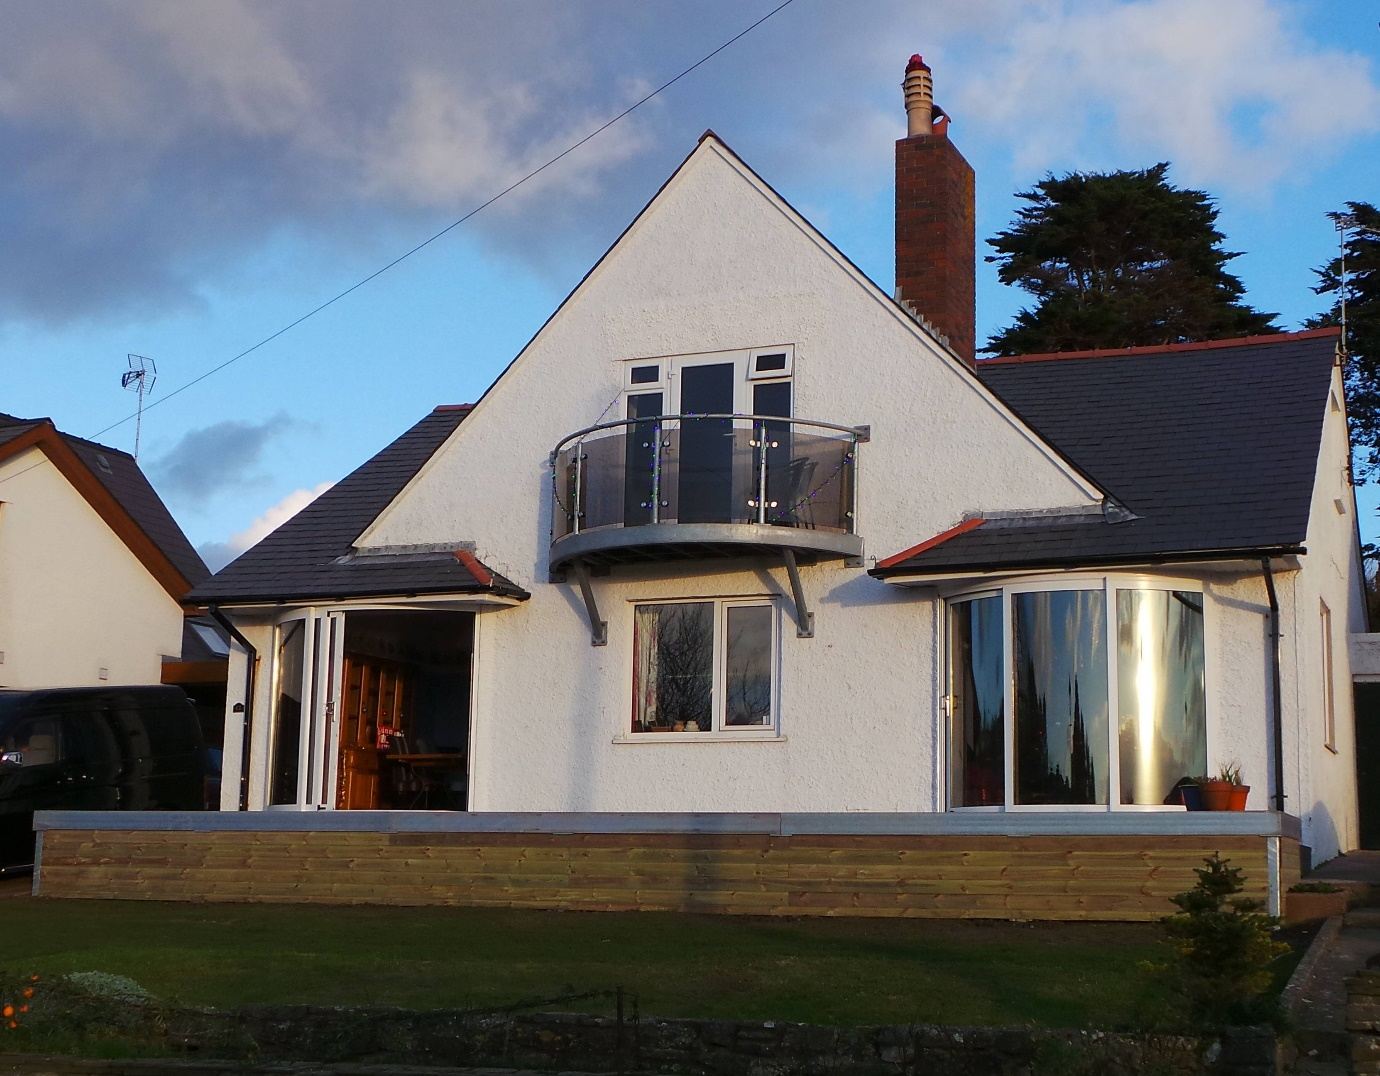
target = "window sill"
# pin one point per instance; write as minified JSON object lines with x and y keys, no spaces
{"x":762,"y":736}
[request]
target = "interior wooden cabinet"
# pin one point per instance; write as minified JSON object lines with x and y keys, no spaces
{"x":377,"y":694}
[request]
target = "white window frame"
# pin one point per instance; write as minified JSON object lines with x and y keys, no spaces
{"x":745,"y":376}
{"x":317,"y":785}
{"x":306,"y":723}
{"x":720,"y":733}
{"x":629,"y":365}
{"x":1329,"y":683}
{"x":784,"y":374}
{"x":1108,"y":584}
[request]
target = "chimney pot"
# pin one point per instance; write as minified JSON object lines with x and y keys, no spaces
{"x":919,"y":91}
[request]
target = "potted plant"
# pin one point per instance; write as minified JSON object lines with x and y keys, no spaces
{"x":1226,"y":792}
{"x":1189,"y":793}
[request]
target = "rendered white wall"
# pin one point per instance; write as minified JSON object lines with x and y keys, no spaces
{"x":73,"y":598}
{"x":717,"y":265}
{"x":1321,"y":781}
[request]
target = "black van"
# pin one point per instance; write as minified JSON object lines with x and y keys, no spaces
{"x":101,"y":749}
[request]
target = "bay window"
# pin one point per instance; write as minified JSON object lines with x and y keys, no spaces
{"x":704,"y":667}
{"x":1078,"y":695}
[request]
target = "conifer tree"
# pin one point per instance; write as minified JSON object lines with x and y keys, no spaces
{"x":1362,"y":327}
{"x":1118,"y":259}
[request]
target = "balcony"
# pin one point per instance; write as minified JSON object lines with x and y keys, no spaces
{"x":696,"y":487}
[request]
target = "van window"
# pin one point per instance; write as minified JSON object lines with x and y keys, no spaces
{"x":35,"y":742}
{"x":88,"y":740}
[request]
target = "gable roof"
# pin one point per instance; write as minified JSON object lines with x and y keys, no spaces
{"x":312,"y":555}
{"x":1211,"y":449}
{"x":112,"y":483}
{"x":710,"y":143}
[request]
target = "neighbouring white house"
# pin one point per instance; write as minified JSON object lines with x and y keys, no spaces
{"x":740,"y":544}
{"x":93,"y":568}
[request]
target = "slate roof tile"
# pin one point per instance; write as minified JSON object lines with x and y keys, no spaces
{"x":1213,"y":449}
{"x":311,"y":555}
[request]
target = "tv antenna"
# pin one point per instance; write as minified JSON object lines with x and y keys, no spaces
{"x":140,"y":376}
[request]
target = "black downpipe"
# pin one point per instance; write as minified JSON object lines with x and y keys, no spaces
{"x":1274,"y":678}
{"x":251,"y":663}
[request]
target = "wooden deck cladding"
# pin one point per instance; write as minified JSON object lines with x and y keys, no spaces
{"x":960,"y":876}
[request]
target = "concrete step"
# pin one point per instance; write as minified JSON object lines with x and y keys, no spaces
{"x":1363,"y":918}
{"x":1322,"y":1046}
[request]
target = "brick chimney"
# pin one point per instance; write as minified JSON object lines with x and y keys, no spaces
{"x":935,"y":244}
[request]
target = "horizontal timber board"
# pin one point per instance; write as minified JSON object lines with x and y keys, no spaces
{"x":1096,"y":876}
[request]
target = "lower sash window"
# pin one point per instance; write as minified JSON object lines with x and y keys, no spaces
{"x":704,"y":667}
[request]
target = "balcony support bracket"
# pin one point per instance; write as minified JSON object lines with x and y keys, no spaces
{"x":804,"y":618}
{"x":598,"y":629}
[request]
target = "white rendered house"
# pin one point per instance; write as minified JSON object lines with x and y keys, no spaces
{"x":93,"y":568}
{"x":739,"y":533}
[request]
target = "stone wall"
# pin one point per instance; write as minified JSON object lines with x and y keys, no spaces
{"x":567,"y":1041}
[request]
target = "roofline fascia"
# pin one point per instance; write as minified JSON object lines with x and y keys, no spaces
{"x":1163,"y":349}
{"x":1358,"y":543}
{"x":1093,"y":488}
{"x":499,"y":595}
{"x":47,"y":439}
{"x":1127,"y":560}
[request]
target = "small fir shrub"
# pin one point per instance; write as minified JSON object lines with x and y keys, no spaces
{"x":1225,"y":948}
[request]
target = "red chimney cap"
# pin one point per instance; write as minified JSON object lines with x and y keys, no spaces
{"x":916,"y":62}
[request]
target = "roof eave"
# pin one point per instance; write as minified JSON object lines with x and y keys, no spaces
{"x":510,"y":594}
{"x":899,"y":573}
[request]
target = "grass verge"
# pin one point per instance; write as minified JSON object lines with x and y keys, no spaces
{"x":824,"y":971}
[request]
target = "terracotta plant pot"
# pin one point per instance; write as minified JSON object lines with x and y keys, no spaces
{"x":1238,"y":796}
{"x":1216,"y":796}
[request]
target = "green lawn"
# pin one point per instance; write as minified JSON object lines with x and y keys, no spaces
{"x":829,"y":971}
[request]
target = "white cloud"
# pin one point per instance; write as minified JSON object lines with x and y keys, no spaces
{"x":153,"y":141}
{"x":1235,"y":92}
{"x":218,"y":554}
{"x":275,"y":517}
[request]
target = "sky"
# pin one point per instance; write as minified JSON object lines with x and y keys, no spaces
{"x":181,"y":179}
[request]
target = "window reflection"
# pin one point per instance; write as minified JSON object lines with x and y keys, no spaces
{"x":748,"y":676}
{"x":673,"y":674}
{"x":978,"y":738}
{"x":1161,"y":694}
{"x":287,"y":712}
{"x":1061,"y":697}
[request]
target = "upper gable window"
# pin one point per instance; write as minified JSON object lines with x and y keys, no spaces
{"x":770,"y":362}
{"x":750,"y":381}
{"x":644,"y":374}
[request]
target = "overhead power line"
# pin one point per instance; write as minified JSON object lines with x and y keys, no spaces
{"x":452,"y":225}
{"x":435,"y":236}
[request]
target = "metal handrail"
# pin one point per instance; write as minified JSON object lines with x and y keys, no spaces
{"x":861,"y":433}
{"x":760,"y":429}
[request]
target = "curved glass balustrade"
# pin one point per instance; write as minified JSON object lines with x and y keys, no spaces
{"x":709,"y":480}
